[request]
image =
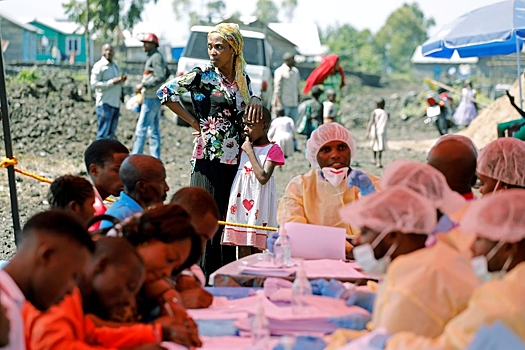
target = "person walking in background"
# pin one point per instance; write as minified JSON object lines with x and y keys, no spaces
{"x":330,"y":73}
{"x":107,"y":80}
{"x":311,"y":113}
{"x":155,"y":73}
{"x":330,"y":110}
{"x":376,"y":131}
{"x":286,"y":89}
{"x":282,"y":132}
{"x":466,"y":111}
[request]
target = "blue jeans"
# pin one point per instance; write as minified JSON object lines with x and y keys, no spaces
{"x":107,"y":121}
{"x":148,"y":123}
{"x":291,"y":112}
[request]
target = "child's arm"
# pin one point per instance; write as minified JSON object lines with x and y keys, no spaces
{"x":262,"y":174}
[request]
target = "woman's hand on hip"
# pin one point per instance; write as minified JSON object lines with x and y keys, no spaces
{"x":254,"y":110}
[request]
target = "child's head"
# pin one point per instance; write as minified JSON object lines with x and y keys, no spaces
{"x":114,"y":277}
{"x":380,"y":103}
{"x":53,"y":253}
{"x":255,"y":131}
{"x":331,"y":95}
{"x":103,"y":159}
{"x":201,"y":207}
{"x":317,"y":91}
{"x":73,"y":194}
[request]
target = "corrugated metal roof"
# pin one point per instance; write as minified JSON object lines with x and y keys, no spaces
{"x":303,"y":35}
{"x":62,"y":26}
{"x":26,"y":26}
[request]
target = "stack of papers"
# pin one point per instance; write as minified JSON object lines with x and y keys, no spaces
{"x":323,"y":268}
{"x":313,"y":319}
{"x":266,"y":268}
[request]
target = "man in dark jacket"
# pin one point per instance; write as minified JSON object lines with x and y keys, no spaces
{"x":155,"y":73}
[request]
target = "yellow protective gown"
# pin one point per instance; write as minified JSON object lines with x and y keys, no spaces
{"x":502,"y":300}
{"x":309,"y":199}
{"x":462,"y":240}
{"x":423,"y":290}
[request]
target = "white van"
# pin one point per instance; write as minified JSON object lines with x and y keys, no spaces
{"x":257,"y":53}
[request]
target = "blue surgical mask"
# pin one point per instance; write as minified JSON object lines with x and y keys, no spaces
{"x":364,"y":255}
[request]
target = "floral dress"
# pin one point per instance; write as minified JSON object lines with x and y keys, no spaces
{"x":251,"y":202}
{"x":218,"y":107}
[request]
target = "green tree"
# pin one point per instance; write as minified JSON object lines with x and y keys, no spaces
{"x":106,"y":16}
{"x":214,"y":11}
{"x":266,"y":11}
{"x":356,"y":49}
{"x":289,"y":7}
{"x":404,"y":30}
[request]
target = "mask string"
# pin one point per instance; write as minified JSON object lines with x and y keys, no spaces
{"x":494,"y":250}
{"x":379,"y":238}
{"x":391,"y":250}
{"x":495,"y":187}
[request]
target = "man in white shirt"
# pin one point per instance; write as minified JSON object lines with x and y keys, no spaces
{"x":51,"y":258}
{"x":286,"y":90}
{"x":107,"y":80}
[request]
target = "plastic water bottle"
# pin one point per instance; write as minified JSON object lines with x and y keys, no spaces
{"x":301,"y":288}
{"x":260,"y":325}
{"x":282,"y":250}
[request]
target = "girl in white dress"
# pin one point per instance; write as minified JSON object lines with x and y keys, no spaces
{"x":253,"y":197}
{"x":376,"y":131}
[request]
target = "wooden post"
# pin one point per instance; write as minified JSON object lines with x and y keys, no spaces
{"x":88,"y":53}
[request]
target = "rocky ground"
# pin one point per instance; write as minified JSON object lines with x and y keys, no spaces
{"x":51,"y":126}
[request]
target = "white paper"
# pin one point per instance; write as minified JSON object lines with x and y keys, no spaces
{"x":222,"y":343}
{"x":363,"y":343}
{"x":270,"y":272}
{"x":326,"y":268}
{"x":315,"y":241}
{"x":284,"y":321}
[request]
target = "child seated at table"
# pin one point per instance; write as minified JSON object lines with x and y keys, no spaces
{"x":73,"y":194}
{"x":113,"y":278}
{"x":52,"y":250}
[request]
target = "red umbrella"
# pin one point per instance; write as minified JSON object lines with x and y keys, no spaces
{"x":326,"y":68}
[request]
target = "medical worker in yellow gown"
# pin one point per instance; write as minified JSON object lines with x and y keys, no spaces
{"x":316,"y":196}
{"x":498,"y":222}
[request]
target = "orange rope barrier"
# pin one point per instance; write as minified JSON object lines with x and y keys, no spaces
{"x":264,"y":228}
{"x":6,"y":162}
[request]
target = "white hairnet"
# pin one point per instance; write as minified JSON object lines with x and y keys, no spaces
{"x":324,"y":134}
{"x":504,"y":160}
{"x":459,"y":138}
{"x":425,"y":180}
{"x":499,"y":217}
{"x":395,"y":209}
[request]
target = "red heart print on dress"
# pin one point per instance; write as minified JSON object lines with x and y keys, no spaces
{"x":248,"y":204}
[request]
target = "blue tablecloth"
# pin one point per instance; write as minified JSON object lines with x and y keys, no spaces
{"x":232,"y":292}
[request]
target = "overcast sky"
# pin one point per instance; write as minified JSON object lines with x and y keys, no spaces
{"x":361,"y":14}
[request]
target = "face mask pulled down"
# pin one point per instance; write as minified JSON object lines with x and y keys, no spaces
{"x":335,"y":176}
{"x":480,"y":265}
{"x":364,"y":255}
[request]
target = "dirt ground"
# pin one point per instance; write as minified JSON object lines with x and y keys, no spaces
{"x":51,"y":154}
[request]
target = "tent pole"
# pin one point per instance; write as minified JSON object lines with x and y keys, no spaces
{"x":518,"y":55}
{"x":4,"y":115}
